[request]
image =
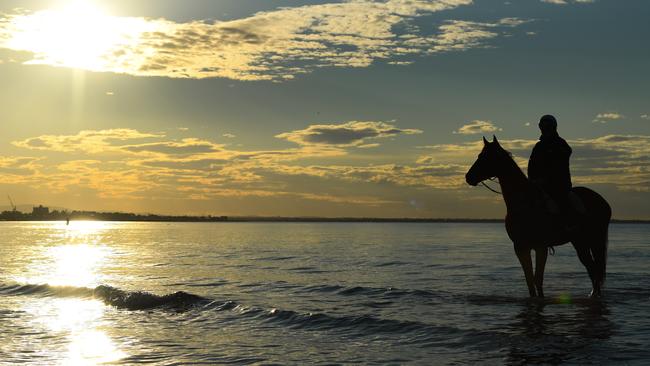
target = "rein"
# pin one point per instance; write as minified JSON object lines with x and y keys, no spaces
{"x":490,"y":188}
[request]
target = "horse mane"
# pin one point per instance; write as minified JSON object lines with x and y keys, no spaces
{"x":512,"y":160}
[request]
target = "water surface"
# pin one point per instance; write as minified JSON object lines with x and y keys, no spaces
{"x":317,"y":293}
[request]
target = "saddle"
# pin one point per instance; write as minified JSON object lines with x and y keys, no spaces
{"x":573,"y":206}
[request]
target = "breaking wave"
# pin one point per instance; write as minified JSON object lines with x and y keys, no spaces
{"x":130,"y":300}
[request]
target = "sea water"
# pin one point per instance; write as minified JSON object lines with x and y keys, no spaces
{"x":310,"y":293}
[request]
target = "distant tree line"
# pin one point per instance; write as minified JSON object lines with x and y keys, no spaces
{"x":43,"y":214}
{"x":56,"y":215}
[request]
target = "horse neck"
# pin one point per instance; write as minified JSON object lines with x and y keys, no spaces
{"x":513,"y":183}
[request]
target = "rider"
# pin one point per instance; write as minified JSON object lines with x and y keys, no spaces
{"x":549,"y":165}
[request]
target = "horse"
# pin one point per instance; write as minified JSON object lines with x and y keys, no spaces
{"x":531,"y":226}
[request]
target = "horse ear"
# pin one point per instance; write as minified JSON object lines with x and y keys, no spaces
{"x":494,"y":139}
{"x":485,"y":141}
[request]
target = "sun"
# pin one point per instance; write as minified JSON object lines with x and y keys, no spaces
{"x":78,"y":34}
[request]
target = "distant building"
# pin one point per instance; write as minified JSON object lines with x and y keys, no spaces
{"x":40,"y":211}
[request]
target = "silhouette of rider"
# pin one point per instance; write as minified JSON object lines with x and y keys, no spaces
{"x":548,"y":166}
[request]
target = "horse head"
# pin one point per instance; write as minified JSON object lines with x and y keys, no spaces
{"x":488,"y":164}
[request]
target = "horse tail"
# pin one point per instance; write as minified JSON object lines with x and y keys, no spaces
{"x":601,"y":245}
{"x":601,"y":213}
{"x":599,"y":253}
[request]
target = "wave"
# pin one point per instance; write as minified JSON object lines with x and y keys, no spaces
{"x":216,"y":313}
{"x":367,"y":324}
{"x":386,"y":293}
{"x":130,"y":300}
{"x":45,"y":290}
{"x":180,"y":300}
{"x":140,"y":300}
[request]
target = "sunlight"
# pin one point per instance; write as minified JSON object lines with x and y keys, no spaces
{"x":91,"y":348}
{"x":80,"y":318}
{"x":75,"y":265}
{"x":77,"y":35}
{"x":78,"y":263}
{"x":85,"y":228}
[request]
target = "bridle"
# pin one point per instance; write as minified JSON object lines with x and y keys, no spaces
{"x":493,"y":179}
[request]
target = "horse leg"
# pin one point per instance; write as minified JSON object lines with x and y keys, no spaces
{"x":527,"y":265}
{"x":584,"y":254}
{"x":541,"y":254}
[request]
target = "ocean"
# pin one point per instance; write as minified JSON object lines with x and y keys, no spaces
{"x":310,"y":293}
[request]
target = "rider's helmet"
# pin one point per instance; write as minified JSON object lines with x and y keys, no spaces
{"x":548,"y":124}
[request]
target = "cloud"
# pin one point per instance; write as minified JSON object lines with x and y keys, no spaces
{"x":478,"y":127}
{"x":229,"y":135}
{"x":272,"y":45}
{"x":645,"y":116}
{"x":607,"y":117}
{"x":460,"y":35}
{"x":354,"y":133}
{"x":134,"y":165}
{"x":211,"y":193}
{"x":421,"y":174}
{"x":188,"y":146}
{"x":15,"y":170}
{"x":87,"y":141}
{"x":157,"y":146}
{"x":619,"y":160}
{"x":199,"y":169}
{"x":622,"y":161}
{"x":112,"y":179}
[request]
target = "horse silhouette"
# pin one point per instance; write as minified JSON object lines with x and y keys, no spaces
{"x":531,"y":226}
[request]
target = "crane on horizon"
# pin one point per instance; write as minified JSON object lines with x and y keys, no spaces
{"x":13,"y":205}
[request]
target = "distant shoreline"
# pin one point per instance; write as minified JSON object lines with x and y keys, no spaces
{"x":131,"y":217}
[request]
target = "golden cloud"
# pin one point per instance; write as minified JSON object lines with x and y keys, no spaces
{"x":88,"y":141}
{"x":271,"y":45}
{"x":607,"y":117}
{"x":353,"y":133}
{"x":109,"y":163}
{"x":478,"y":127}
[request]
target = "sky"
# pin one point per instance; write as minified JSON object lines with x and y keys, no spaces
{"x":360,"y":108}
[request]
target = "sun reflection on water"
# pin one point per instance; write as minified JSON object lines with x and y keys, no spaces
{"x":78,"y":229}
{"x":76,"y":260}
{"x":75,"y":265}
{"x":75,"y":257}
{"x":92,"y":347}
{"x":81,"y":320}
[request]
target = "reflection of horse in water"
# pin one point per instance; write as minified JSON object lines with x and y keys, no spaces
{"x":543,"y":334}
{"x":531,"y":227}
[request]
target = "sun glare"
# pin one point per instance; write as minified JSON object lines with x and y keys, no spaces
{"x":78,"y":262}
{"x":78,"y":34}
{"x":82,"y":321}
{"x":75,"y":265}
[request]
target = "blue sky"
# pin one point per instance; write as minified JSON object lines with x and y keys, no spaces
{"x":319,"y":108}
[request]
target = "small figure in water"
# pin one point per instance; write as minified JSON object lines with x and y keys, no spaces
{"x":548,"y":166}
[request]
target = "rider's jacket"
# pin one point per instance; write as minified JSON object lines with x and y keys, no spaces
{"x":549,"y":165}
